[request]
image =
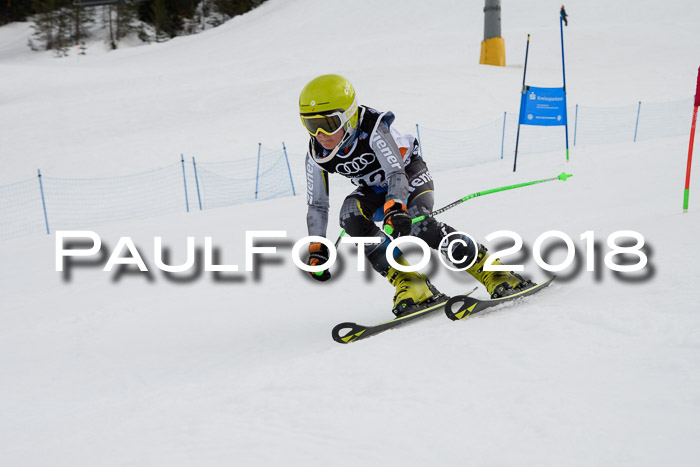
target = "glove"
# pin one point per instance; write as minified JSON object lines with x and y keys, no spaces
{"x":397,"y":222}
{"x":318,"y":254}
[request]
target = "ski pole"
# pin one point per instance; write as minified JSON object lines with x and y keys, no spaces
{"x":387,"y":228}
{"x":562,"y":176}
{"x":337,"y":242}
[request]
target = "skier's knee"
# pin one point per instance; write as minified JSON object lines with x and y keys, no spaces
{"x":353,"y":221}
{"x":460,"y":250}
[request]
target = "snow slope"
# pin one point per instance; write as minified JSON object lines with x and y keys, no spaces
{"x":147,"y":369}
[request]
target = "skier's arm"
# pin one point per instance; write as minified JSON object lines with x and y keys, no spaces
{"x":316,"y":198}
{"x":397,"y":222}
{"x":389,"y":155}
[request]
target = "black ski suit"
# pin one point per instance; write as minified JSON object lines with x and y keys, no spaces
{"x":385,"y":165}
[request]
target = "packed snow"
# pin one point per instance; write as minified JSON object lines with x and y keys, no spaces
{"x":239,"y":368}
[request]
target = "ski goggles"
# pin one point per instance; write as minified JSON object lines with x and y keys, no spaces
{"x":329,"y":122}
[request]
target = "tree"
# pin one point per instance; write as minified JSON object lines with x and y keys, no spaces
{"x":57,"y":25}
{"x":81,"y":19}
{"x":126,"y":16}
{"x":231,"y":8}
{"x":107,"y":21}
{"x":52,"y":26}
{"x":64,"y":31}
{"x":14,"y":10}
{"x":161,"y":20}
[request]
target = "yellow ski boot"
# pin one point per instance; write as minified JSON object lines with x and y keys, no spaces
{"x":497,"y":283}
{"x":412,"y":289}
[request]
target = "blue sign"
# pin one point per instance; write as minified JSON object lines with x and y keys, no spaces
{"x":543,"y":106}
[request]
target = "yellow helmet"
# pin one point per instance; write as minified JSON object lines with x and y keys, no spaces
{"x":327,"y":104}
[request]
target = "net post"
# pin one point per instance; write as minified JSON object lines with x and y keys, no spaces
{"x":575,"y":124}
{"x":184,"y":179}
{"x":503,"y":134}
{"x":289,"y":169}
{"x":257,"y":172}
{"x":636,"y":125}
{"x":43,"y":202}
{"x":196,"y":180}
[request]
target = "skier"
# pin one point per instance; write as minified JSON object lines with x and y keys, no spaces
{"x":392,"y":179}
{"x":564,"y":16}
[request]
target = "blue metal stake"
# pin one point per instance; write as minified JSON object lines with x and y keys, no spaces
{"x":575,"y":124}
{"x":187,"y":200}
{"x":257,"y":172}
{"x":420,"y":145}
{"x":503,"y":137}
{"x":639,"y":108}
{"x":43,"y":202}
{"x":196,"y":179}
{"x":284,"y":148}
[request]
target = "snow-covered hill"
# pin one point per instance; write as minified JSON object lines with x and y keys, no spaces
{"x":147,"y":369}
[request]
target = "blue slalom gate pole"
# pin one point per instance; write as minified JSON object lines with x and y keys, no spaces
{"x":257,"y":172}
{"x":636,"y":125}
{"x":43,"y":202}
{"x":291,"y":180}
{"x":196,"y":180}
{"x":503,"y":136}
{"x":563,"y":71}
{"x":184,"y":178}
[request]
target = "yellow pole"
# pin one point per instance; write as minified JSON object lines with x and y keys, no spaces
{"x":493,"y":47}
